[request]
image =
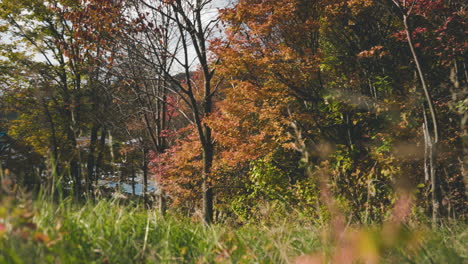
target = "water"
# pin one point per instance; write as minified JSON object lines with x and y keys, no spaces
{"x":126,"y":187}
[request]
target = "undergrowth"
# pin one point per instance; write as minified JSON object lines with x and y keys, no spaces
{"x":109,"y":232}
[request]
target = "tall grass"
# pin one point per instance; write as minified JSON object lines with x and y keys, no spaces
{"x":109,"y":232}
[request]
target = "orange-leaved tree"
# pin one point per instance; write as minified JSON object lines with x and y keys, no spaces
{"x":271,"y":58}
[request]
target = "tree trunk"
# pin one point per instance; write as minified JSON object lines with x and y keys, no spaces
{"x":102,"y":145}
{"x":91,"y":158}
{"x":73,"y":162}
{"x":459,"y":92}
{"x":145,"y":177}
{"x":55,"y":161}
{"x":435,"y":139}
{"x":162,"y":204}
{"x":133,"y":178}
{"x":76,"y":175}
{"x":207,"y":190}
{"x":111,"y":146}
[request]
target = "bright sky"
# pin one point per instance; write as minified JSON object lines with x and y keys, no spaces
{"x":210,"y":14}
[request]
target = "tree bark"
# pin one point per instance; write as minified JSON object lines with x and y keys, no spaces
{"x":162,"y":204}
{"x":53,"y":140}
{"x":133,"y":178}
{"x":102,"y":145}
{"x":145,"y":177}
{"x":206,"y":188}
{"x":435,"y":137}
{"x":91,"y":159}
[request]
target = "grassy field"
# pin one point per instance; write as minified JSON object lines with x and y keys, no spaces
{"x":108,"y":232}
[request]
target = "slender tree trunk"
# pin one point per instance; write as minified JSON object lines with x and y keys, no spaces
{"x":74,"y":164}
{"x":53,"y":140}
{"x":208,"y":151}
{"x":458,"y":93}
{"x":75,"y":172}
{"x":73,"y":151}
{"x":145,"y":177}
{"x":162,"y":204}
{"x":102,"y":145}
{"x":71,"y":145}
{"x":133,"y":178}
{"x":435,"y":139}
{"x":91,"y":158}
{"x":427,"y":143}
{"x":111,"y":146}
{"x":207,"y":190}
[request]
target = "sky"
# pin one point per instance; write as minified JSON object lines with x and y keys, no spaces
{"x":211,"y":13}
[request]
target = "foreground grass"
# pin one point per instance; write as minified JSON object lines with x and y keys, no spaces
{"x":107,"y":232}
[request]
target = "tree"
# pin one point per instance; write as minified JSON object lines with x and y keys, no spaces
{"x":98,"y":27}
{"x":46,"y":32}
{"x":430,"y":28}
{"x":68,"y":75}
{"x":193,"y":35}
{"x":434,"y":139}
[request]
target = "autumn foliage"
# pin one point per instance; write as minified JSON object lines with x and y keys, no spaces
{"x":248,"y":109}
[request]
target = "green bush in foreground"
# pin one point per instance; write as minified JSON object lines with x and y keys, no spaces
{"x":108,"y":232}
